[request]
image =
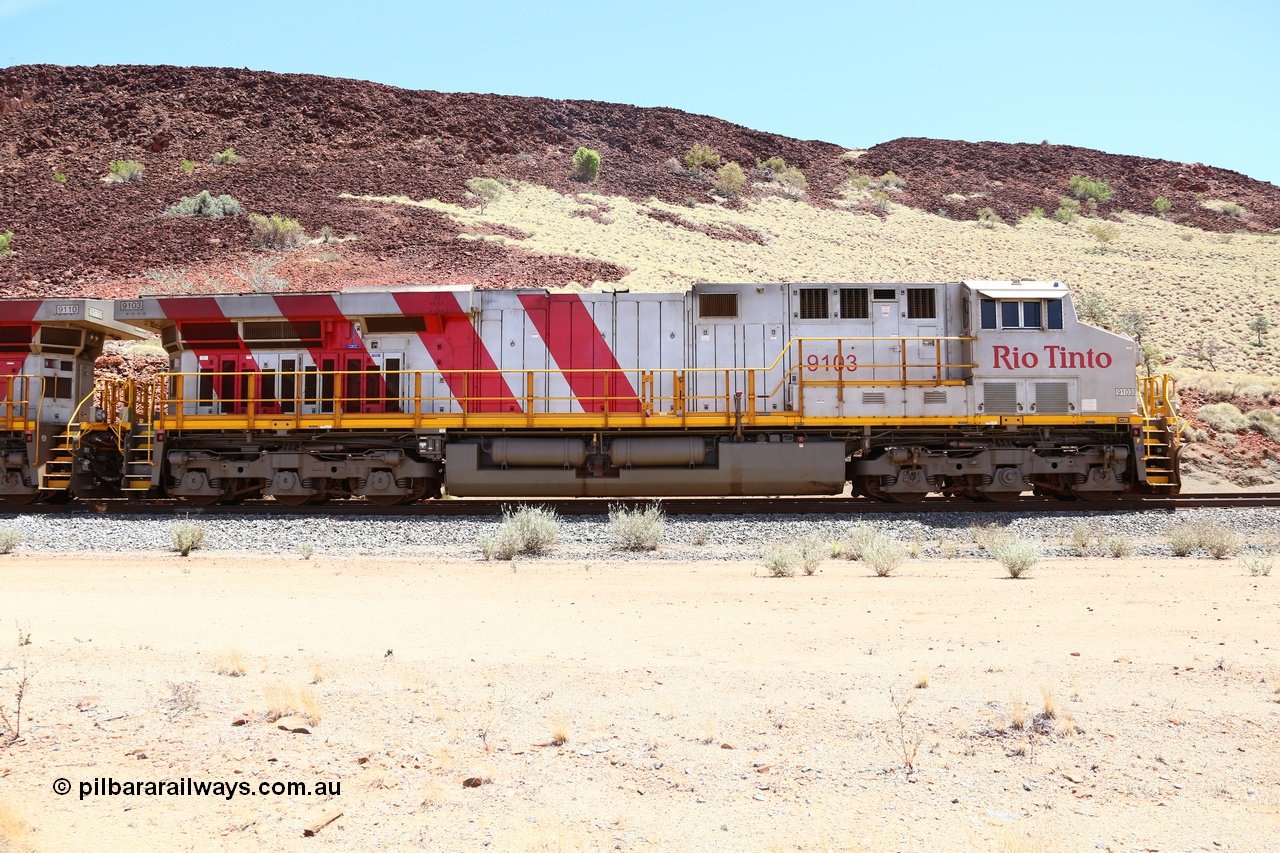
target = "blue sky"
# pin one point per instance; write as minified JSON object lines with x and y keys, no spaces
{"x":1175,"y":80}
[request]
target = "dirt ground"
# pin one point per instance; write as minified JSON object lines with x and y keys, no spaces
{"x":703,"y":707}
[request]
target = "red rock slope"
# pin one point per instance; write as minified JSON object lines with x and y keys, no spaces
{"x":307,"y":139}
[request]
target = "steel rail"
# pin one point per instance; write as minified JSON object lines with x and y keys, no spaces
{"x":671,"y":506}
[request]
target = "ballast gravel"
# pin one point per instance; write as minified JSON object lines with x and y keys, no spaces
{"x":685,"y":537}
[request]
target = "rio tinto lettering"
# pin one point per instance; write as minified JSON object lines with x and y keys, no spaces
{"x":1055,"y":357}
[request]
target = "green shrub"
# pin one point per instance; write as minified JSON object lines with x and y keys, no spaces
{"x":1226,"y":208}
{"x":1068,"y":210}
{"x":880,"y":200}
{"x":124,"y":171}
{"x":884,"y":555}
{"x":730,"y":179}
{"x":10,"y":536}
{"x":1082,"y":537}
{"x":857,"y":540}
{"x":1102,"y":232}
{"x":637,"y":529}
{"x":276,"y":232}
{"x":773,"y":164}
{"x":186,"y":167}
{"x":812,"y":551}
{"x":206,"y":205}
{"x":1258,"y":565}
{"x":1219,"y":541}
{"x":186,"y":536}
{"x":988,"y":218}
{"x":1036,"y":213}
{"x":791,"y":179}
{"x":59,"y":177}
{"x":6,"y":242}
{"x":586,"y":164}
{"x":890,"y":181}
{"x":227,"y":158}
{"x":780,"y":560}
{"x":701,"y":156}
{"x":1266,"y":422}
{"x":1087,"y":188}
{"x":1161,"y":206}
{"x":1223,"y":417}
{"x":858,"y":181}
{"x":1117,"y":545}
{"x":1184,"y":539}
{"x":1018,"y":558}
{"x":486,"y":189}
{"x":527,"y":530}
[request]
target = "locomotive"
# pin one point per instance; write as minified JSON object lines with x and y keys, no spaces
{"x":971,"y":390}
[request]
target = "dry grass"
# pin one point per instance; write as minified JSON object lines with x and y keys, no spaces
{"x":15,"y":833}
{"x":285,"y":701}
{"x":317,"y":673}
{"x":1049,"y":702}
{"x":559,"y":731}
{"x":231,"y":663}
{"x":1154,"y":268}
{"x":922,"y":681}
{"x":1018,"y":719}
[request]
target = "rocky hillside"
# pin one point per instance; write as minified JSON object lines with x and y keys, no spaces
{"x":309,"y":141}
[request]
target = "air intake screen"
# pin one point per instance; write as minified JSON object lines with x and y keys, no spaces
{"x":211,"y":332}
{"x":283,"y":331}
{"x":1051,"y":398}
{"x":873,"y":398}
{"x":1000,"y":398}
{"x":60,"y":337}
{"x":717,"y":305}
{"x":921,"y":304}
{"x":854,"y":304}
{"x":813,"y":303}
{"x":935,"y":398}
{"x":394,"y":325}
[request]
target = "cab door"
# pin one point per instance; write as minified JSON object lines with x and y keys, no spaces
{"x":58,"y":380}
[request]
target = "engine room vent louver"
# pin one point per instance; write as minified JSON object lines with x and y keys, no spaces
{"x":282,"y":331}
{"x":717,"y":305}
{"x":873,"y":398}
{"x":935,"y":398}
{"x":391,"y":325}
{"x":1051,"y":398}
{"x":1000,"y":398}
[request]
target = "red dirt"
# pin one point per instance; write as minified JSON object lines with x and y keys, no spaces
{"x":307,"y":139}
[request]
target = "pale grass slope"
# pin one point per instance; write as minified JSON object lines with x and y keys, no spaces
{"x":1192,"y":283}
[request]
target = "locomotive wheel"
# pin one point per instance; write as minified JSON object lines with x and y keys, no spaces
{"x":62,"y":496}
{"x":906,"y":497}
{"x":1097,"y":496}
{"x":201,"y":500}
{"x":1000,"y":497}
{"x":19,"y":499}
{"x":293,"y":500}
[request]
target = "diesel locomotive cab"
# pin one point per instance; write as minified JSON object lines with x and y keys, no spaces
{"x":47,"y":352}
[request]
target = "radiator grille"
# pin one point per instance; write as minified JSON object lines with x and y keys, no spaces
{"x":854,"y":304}
{"x":1000,"y":398}
{"x":813,"y":303}
{"x":1051,"y":398}
{"x":873,"y":398}
{"x":935,"y":398}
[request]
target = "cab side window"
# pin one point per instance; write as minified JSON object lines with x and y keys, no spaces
{"x":1021,"y":314}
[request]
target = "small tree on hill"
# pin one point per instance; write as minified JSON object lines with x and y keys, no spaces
{"x":586,"y":164}
{"x":486,"y":189}
{"x":1161,"y":206}
{"x":730,"y":179}
{"x":1260,"y":326}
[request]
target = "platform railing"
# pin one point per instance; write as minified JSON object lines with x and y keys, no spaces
{"x":14,"y":397}
{"x":711,"y":396}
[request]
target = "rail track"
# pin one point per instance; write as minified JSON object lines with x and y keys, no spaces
{"x":672,"y":506}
